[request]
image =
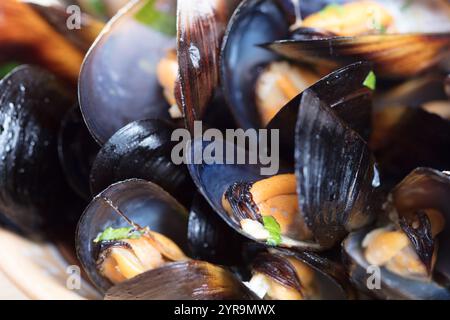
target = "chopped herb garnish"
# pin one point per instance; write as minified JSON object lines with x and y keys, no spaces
{"x":111,"y":234}
{"x":271,"y":225}
{"x":371,"y":81}
{"x":334,"y":7}
{"x":158,"y":20}
{"x":98,"y":7}
{"x":7,"y":68}
{"x":406,"y":5}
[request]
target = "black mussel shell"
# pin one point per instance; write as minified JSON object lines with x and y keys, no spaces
{"x":344,"y":91}
{"x":116,"y":89}
{"x":337,"y":180}
{"x":407,"y":138}
{"x":32,"y":184}
{"x":142,"y":149}
{"x":77,"y":151}
{"x":211,"y":239}
{"x":424,"y":188}
{"x":201,"y":27}
{"x":143,"y":203}
{"x":191,"y":280}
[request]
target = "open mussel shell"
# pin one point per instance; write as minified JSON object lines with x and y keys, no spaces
{"x":336,"y":177}
{"x":142,"y":149}
{"x":211,"y":239}
{"x":253,"y":22}
{"x":32,"y":184}
{"x":118,"y":82}
{"x":77,"y":151}
{"x":396,"y":137}
{"x":424,"y":188}
{"x":329,"y":278}
{"x":422,"y":41}
{"x":242,"y":59}
{"x":190,"y":280}
{"x":201,"y":26}
{"x":141,"y":202}
{"x":343,"y":91}
{"x":26,"y":37}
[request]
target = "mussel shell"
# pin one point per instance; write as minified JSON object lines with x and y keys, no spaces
{"x":144,"y":203}
{"x":191,"y":280}
{"x":393,"y":55}
{"x":118,"y":82}
{"x":343,"y":90}
{"x":77,"y":151}
{"x":32,"y":184}
{"x":330,"y":277}
{"x":200,"y":26}
{"x":211,"y":239}
{"x":392,"y":286}
{"x":142,"y":149}
{"x":424,"y":188}
{"x":337,"y":179}
{"x":26,"y":37}
{"x":253,"y":22}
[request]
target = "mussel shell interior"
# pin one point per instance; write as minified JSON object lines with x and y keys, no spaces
{"x":392,"y":286}
{"x":116,"y":89}
{"x":254,"y":22}
{"x":142,"y":202}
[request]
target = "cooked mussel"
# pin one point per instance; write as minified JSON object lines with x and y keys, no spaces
{"x":134,"y":228}
{"x":140,"y":36}
{"x":333,"y":191}
{"x":32,"y":185}
{"x":378,"y":31}
{"x":411,"y":247}
{"x":289,"y":275}
{"x":142,"y":149}
{"x":189,"y":280}
{"x":129,"y":228}
{"x":255,"y":83}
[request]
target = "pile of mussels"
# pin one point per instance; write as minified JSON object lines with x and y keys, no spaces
{"x":360,"y":94}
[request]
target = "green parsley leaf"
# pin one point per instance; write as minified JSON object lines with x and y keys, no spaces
{"x":111,"y":234}
{"x":98,"y":7}
{"x":376,"y":25}
{"x":149,"y":15}
{"x":371,"y":81}
{"x":7,"y":68}
{"x":271,"y":225}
